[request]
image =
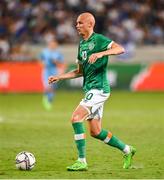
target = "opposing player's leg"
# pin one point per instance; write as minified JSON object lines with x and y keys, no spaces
{"x":107,"y":137}
{"x":48,"y":98}
{"x":79,"y":135}
{"x":49,"y":90}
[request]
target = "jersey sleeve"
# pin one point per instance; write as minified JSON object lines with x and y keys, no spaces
{"x":104,"y":42}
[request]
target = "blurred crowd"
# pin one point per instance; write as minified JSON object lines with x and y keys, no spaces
{"x":129,"y":22}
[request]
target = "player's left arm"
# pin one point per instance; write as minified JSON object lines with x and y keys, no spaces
{"x":114,"y":50}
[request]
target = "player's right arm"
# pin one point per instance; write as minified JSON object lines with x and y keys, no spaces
{"x":69,"y":75}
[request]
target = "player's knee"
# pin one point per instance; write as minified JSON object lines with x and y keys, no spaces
{"x":94,"y":133}
{"x":75,"y":118}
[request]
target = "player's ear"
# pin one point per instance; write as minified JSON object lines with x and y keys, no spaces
{"x":90,"y":24}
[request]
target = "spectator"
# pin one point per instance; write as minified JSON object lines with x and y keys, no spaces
{"x":26,"y":21}
{"x":4,"y":46}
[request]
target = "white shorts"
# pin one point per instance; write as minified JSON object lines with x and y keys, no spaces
{"x":94,"y":102}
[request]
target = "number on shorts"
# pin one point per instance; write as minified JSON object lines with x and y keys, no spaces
{"x":89,"y":96}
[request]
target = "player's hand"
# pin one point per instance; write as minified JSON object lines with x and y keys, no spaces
{"x":94,"y":57}
{"x":52,"y":79}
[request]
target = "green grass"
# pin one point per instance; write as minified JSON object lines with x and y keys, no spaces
{"x":136,"y":118}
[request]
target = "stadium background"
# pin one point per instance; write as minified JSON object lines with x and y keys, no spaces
{"x":25,"y":26}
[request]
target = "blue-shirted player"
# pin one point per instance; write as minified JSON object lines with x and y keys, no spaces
{"x":53,"y":63}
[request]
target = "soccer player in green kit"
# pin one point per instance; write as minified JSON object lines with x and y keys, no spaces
{"x":92,"y":61}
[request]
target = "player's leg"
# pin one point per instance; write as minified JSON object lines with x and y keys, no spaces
{"x":48,"y":91}
{"x":107,"y":137}
{"x":97,"y":132}
{"x":79,"y":136}
{"x":48,"y":97}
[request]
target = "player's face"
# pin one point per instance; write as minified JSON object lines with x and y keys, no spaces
{"x":82,"y":25}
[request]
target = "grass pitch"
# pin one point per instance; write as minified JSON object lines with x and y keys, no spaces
{"x":136,"y":118}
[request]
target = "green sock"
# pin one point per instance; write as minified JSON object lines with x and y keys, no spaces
{"x":80,"y":138}
{"x":115,"y":142}
{"x":110,"y":139}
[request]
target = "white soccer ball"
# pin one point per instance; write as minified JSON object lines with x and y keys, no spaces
{"x":25,"y":160}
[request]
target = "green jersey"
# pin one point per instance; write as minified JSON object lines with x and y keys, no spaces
{"x":95,"y":75}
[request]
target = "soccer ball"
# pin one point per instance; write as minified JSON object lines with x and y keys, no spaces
{"x":25,"y":160}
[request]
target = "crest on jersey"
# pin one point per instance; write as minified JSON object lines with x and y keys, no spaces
{"x":91,"y":46}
